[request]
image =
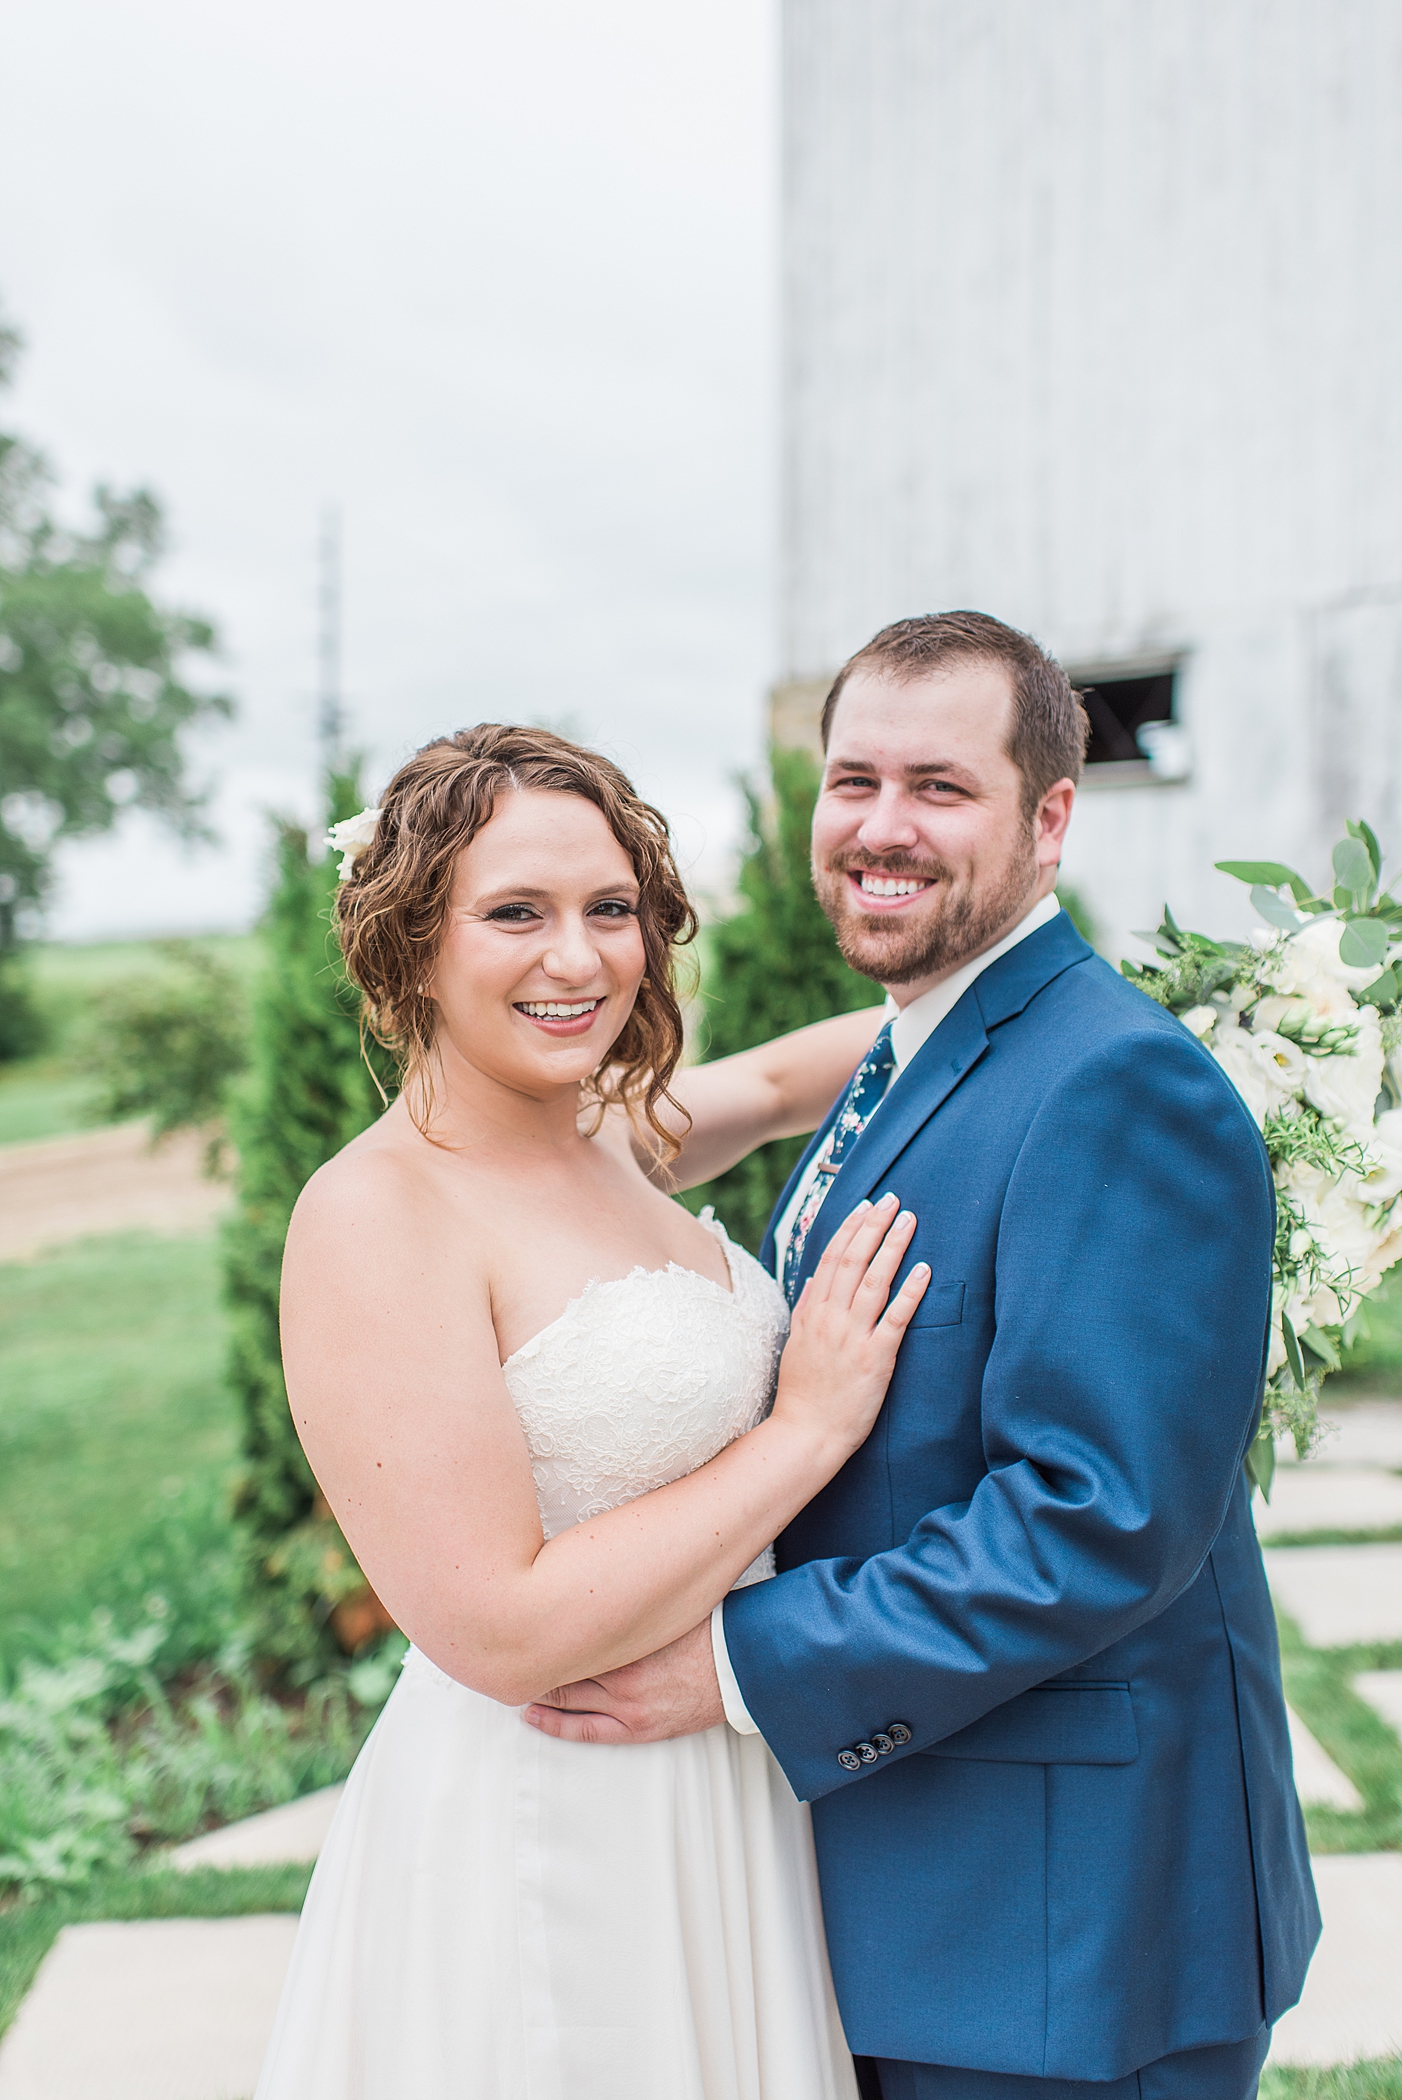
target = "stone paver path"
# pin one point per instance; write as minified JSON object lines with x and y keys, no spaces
{"x":1383,"y":1691}
{"x":1318,"y":1780}
{"x":1330,"y":1498}
{"x":1339,"y":1595}
{"x":1361,"y":1433}
{"x":293,"y":1833}
{"x":1352,"y":2006}
{"x":169,"y":2009}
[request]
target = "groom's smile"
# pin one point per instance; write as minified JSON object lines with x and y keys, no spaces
{"x":924,"y":850}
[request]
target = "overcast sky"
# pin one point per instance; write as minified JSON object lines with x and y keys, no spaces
{"x":498,"y":279}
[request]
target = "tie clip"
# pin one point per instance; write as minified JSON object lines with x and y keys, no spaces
{"x":828,"y":1166}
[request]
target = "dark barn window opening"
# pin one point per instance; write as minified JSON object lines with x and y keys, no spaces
{"x":1118,"y":707}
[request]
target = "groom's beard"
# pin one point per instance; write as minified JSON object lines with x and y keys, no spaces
{"x":948,"y":926}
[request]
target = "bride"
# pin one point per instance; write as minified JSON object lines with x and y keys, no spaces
{"x":541,"y":1400}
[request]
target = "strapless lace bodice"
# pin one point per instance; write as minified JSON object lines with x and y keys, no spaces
{"x":643,"y":1379}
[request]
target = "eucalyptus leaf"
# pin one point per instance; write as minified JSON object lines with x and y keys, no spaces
{"x":1273,"y":873}
{"x":1274,"y":910}
{"x":1319,"y":1343}
{"x":1357,"y":829}
{"x":1260,"y":1462}
{"x":1362,"y":942}
{"x":1292,"y":1351}
{"x":1382,"y":991}
{"x":1353,"y":868}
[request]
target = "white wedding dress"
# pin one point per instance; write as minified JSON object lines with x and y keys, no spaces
{"x":500,"y":1916}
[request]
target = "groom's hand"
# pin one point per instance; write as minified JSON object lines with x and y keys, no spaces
{"x":673,"y":1692}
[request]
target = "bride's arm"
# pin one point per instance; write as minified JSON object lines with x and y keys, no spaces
{"x":400,"y":1403}
{"x":779,"y":1089}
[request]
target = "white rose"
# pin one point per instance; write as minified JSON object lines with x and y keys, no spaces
{"x":1199,"y":1020}
{"x":350,"y":838}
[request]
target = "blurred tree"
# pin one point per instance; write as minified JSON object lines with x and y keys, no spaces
{"x":91,"y":698}
{"x":168,"y":1044}
{"x":773,"y":966}
{"x":308,"y":1092}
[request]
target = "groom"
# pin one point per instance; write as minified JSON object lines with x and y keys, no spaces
{"x":1020,"y":1655}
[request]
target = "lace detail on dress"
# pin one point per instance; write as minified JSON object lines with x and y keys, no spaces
{"x":643,"y":1379}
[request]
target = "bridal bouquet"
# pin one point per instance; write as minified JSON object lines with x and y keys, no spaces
{"x":1305,"y":1018}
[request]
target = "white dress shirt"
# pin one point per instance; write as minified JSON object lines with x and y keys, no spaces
{"x":910,"y":1031}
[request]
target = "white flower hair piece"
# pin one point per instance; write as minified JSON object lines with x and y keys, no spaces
{"x":350,"y":838}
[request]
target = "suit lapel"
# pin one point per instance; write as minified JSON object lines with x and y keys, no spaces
{"x":942,"y":1063}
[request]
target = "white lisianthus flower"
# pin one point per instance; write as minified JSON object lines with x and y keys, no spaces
{"x":350,"y":838}
{"x":1200,"y":1020}
{"x":1283,"y":1064}
{"x":1232,"y":1049}
{"x":1308,"y":965}
{"x":1346,"y":1087}
{"x":1385,"y":1149}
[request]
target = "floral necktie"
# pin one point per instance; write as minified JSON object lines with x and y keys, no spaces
{"x":863,"y":1097}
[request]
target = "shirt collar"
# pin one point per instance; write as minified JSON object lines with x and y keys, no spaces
{"x":913,"y":1025}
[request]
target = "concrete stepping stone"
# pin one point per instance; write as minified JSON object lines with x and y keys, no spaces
{"x":1361,"y":1433}
{"x":1318,"y":1780}
{"x":1329,"y":1498}
{"x":1383,"y":1691}
{"x":165,"y":2009}
{"x":290,"y":1835}
{"x":1352,"y":2003}
{"x":1339,"y":1595}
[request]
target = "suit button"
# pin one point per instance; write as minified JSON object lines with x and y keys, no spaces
{"x":885,"y":1744}
{"x":898,"y":1732}
{"x":867,"y":1752}
{"x":849,"y":1760}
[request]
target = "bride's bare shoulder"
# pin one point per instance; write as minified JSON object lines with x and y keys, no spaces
{"x":379,"y":1200}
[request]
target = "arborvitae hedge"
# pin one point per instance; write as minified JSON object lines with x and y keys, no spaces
{"x":307,"y":1093}
{"x":772,"y":967}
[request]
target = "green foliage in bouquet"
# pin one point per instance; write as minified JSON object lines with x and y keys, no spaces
{"x":1305,"y":1021}
{"x":771,"y":967}
{"x":308,"y":1092}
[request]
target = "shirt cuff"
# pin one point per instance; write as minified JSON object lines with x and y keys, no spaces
{"x":736,"y":1711}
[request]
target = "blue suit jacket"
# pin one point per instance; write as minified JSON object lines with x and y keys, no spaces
{"x":1088,"y":1853}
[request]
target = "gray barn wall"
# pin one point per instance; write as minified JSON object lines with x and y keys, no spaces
{"x":1094,"y":320}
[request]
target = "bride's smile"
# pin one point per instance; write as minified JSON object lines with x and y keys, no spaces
{"x":542,"y":954}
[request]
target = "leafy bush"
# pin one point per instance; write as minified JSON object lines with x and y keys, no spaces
{"x":169,"y":1045}
{"x":99,"y":1759}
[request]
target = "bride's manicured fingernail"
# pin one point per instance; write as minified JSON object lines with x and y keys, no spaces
{"x":907,"y":1217}
{"x":922,"y":1268}
{"x":887,"y":1199}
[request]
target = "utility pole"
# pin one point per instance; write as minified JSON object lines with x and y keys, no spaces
{"x":330,"y":714}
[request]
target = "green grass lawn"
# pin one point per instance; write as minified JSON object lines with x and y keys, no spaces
{"x":117,"y":1435}
{"x":1372,"y":2081}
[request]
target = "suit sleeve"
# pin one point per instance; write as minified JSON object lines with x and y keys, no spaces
{"x":1119,"y":1395}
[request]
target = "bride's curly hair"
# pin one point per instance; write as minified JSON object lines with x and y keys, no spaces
{"x":392,"y":910}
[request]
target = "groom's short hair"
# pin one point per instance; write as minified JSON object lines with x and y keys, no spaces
{"x":1047,"y":738}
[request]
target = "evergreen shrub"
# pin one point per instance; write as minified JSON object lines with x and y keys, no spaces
{"x":771,"y":967}
{"x":308,"y":1092}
